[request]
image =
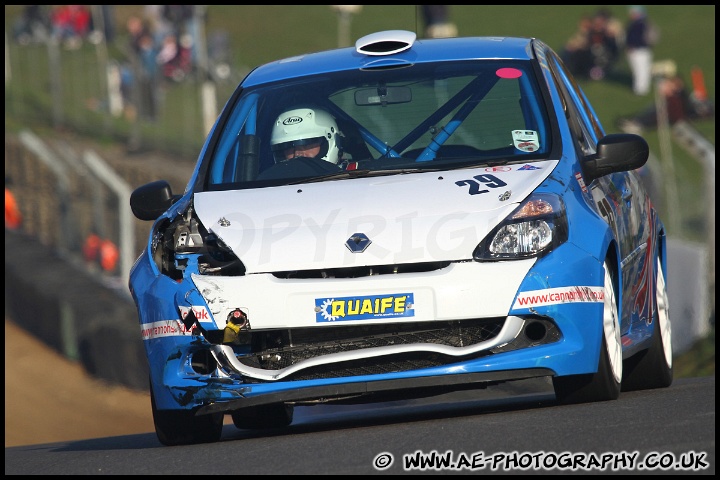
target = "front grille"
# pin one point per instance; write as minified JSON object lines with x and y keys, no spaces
{"x":279,"y":349}
{"x":377,"y":365}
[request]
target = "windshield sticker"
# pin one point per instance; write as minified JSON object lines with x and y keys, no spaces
{"x":363,"y":308}
{"x":508,"y":73}
{"x":526,"y":140}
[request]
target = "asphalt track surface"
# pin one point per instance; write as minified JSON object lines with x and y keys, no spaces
{"x":516,"y":424}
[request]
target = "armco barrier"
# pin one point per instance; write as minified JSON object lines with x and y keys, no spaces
{"x":66,"y":307}
{"x":50,"y":291}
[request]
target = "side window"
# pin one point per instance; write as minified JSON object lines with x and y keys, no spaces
{"x":583,"y":104}
{"x":582,"y":120}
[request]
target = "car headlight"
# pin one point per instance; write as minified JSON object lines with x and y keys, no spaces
{"x":535,"y":228}
{"x":185,"y":242}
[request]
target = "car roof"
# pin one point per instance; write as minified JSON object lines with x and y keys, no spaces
{"x":419,"y":51}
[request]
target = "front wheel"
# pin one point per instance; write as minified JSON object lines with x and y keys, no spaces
{"x":653,"y":368}
{"x":183,"y":427}
{"x":605,"y":383}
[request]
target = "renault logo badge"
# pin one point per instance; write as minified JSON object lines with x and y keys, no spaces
{"x":358,"y":243}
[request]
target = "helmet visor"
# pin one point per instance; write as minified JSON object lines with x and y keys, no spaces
{"x":304,"y":147}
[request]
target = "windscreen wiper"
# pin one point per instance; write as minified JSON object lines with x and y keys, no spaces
{"x":360,"y":174}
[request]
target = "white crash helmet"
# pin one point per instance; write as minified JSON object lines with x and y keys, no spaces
{"x":303,"y":126}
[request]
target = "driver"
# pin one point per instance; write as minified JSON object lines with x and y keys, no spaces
{"x":306,"y":132}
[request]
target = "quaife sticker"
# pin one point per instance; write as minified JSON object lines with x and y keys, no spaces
{"x":526,"y":140}
{"x":363,"y":308}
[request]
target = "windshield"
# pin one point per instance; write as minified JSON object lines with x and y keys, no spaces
{"x":415,"y":118}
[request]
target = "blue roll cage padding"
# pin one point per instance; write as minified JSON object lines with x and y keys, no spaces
{"x":445,"y":132}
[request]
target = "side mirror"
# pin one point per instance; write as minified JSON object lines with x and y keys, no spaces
{"x":617,"y":152}
{"x":150,"y":201}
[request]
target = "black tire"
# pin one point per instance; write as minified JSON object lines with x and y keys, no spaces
{"x":652,"y":368}
{"x":274,"y":415}
{"x":605,"y":383}
{"x":182,"y":427}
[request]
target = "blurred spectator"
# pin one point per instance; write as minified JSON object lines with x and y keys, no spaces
{"x":576,"y":51}
{"x":142,"y":45}
{"x":70,"y":24}
{"x":614,"y":26}
{"x":13,"y":216}
{"x":184,"y":26}
{"x":32,"y":26}
{"x":170,"y":22}
{"x":603,"y":48}
{"x":136,"y":28}
{"x":142,"y":80}
{"x":679,"y":103}
{"x":593,"y":50}
{"x":603,"y":41}
{"x":437,"y":21}
{"x":169,"y":49}
{"x":640,"y":38}
{"x":100,"y":252}
{"x":109,"y":256}
{"x":91,"y":249}
{"x":174,"y":58}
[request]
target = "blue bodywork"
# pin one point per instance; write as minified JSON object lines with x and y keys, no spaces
{"x":606,"y":221}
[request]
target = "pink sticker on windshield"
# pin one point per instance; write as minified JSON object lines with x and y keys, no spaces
{"x":508,"y":73}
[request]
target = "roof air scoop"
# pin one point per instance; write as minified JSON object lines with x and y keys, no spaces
{"x":385,"y":43}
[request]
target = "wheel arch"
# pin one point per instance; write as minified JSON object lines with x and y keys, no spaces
{"x":612,"y":258}
{"x":662,"y":249}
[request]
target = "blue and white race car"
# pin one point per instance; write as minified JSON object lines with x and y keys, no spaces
{"x":402,"y":217}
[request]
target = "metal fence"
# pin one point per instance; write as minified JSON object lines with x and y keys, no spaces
{"x":91,"y":91}
{"x":96,"y":89}
{"x":67,"y":193}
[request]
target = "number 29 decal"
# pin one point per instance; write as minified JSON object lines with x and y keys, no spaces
{"x":474,"y":184}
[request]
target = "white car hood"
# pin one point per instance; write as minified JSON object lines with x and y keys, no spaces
{"x":411,"y":218}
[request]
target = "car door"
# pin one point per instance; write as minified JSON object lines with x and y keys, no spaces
{"x":618,"y":197}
